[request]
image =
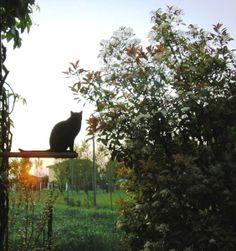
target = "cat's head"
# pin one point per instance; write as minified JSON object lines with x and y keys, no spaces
{"x":76,"y":115}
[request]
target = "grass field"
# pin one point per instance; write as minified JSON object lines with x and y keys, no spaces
{"x":77,"y":225}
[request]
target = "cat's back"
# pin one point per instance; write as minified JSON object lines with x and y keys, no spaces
{"x":62,"y":125}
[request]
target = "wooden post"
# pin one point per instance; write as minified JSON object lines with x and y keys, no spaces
{"x":50,"y":229}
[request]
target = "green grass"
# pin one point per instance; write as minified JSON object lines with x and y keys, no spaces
{"x":77,"y":225}
{"x":80,"y":226}
{"x":81,"y":199}
{"x":85,"y":229}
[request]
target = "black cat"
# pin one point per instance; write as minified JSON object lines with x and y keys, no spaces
{"x":64,"y":133}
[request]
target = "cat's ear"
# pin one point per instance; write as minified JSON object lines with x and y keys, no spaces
{"x":71,"y":113}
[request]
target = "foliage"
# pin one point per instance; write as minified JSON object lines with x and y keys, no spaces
{"x":28,"y":219}
{"x":108,"y":176}
{"x":101,"y":153}
{"x":15,"y":19}
{"x":108,"y":179}
{"x":28,"y":214}
{"x":19,"y":171}
{"x":77,"y":173}
{"x":84,"y":151}
{"x":169,"y":112}
{"x":73,"y":228}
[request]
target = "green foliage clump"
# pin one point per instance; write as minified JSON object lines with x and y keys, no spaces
{"x":169,"y":112}
{"x":77,"y":173}
{"x":15,"y":18}
{"x":29,"y":218}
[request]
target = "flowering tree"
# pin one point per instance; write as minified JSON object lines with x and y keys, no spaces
{"x":168,"y":111}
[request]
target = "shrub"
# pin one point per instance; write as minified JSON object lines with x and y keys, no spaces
{"x":168,"y":111}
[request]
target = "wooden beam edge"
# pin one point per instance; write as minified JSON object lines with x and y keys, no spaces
{"x":35,"y":154}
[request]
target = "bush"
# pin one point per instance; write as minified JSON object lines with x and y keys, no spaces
{"x":168,"y":111}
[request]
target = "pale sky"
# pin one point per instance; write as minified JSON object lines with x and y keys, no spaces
{"x":67,"y":30}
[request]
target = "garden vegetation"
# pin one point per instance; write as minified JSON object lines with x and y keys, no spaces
{"x":167,"y":111}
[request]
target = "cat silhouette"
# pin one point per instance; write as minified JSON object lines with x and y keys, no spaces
{"x":64,"y":133}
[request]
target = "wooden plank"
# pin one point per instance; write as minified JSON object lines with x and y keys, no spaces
{"x":38,"y":154}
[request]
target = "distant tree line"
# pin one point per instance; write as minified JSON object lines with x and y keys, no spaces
{"x":77,"y":175}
